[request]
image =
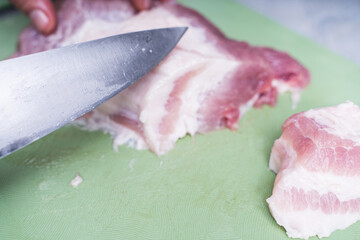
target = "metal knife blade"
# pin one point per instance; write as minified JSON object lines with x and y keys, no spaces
{"x":40,"y":93}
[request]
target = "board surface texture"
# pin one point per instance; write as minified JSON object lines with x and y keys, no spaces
{"x":208,"y":187}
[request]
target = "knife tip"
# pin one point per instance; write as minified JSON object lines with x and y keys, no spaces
{"x":178,"y":31}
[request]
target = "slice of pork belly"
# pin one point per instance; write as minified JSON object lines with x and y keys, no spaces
{"x":317,"y":159}
{"x":207,"y":82}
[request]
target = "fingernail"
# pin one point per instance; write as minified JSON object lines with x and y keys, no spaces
{"x":39,"y":19}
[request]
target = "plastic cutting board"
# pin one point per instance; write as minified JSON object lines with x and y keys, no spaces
{"x":208,"y":187}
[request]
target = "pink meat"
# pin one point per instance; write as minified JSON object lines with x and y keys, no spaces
{"x":317,"y":159}
{"x":207,"y":82}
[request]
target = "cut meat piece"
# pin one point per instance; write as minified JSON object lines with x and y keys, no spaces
{"x":207,"y":82}
{"x":317,"y":159}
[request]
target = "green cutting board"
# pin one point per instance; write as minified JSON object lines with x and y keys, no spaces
{"x":208,"y":187}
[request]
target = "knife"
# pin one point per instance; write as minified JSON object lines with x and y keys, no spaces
{"x":42,"y":92}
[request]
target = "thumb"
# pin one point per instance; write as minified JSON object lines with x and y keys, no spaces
{"x":142,"y":4}
{"x":41,"y":13}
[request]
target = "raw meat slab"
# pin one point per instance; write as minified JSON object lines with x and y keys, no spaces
{"x":206,"y":83}
{"x":317,"y":161}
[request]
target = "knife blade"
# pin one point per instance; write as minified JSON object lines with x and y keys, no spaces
{"x":42,"y":92}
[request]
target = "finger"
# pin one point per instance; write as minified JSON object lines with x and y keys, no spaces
{"x":41,"y":13}
{"x":141,"y":4}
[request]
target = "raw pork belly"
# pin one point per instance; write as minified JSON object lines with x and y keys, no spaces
{"x":207,"y":82}
{"x":317,"y":159}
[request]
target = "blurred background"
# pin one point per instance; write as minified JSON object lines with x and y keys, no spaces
{"x":333,"y":24}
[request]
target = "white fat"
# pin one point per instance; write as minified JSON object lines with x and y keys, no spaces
{"x":248,"y":105}
{"x":283,"y":87}
{"x":342,"y":120}
{"x":295,"y":98}
{"x":280,"y":148}
{"x":342,"y":186}
{"x":91,"y":30}
{"x":125,"y":136}
{"x":162,"y":18}
{"x":76,"y":181}
{"x":295,"y":175}
{"x":121,"y":135}
{"x":307,"y":223}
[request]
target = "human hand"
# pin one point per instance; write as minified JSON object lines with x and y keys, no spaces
{"x":145,"y":4}
{"x":42,"y":12}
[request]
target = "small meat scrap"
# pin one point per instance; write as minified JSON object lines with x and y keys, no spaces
{"x":317,"y":161}
{"x":76,"y":181}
